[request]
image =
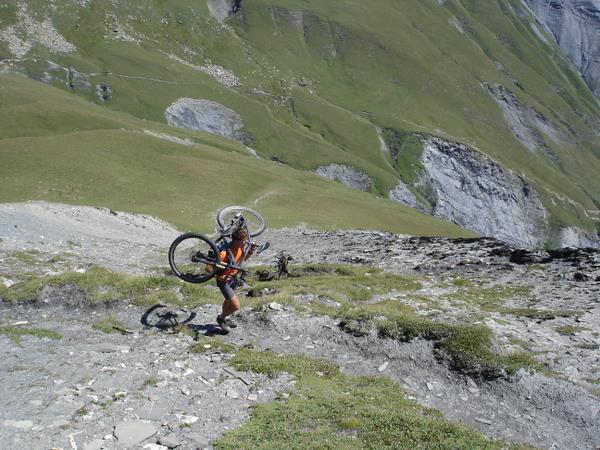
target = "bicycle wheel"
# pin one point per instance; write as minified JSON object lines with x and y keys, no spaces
{"x":254,"y":221}
{"x":194,"y":257}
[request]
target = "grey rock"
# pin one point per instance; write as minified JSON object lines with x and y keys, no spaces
{"x":19,"y":424}
{"x":575,"y":25}
{"x":133,"y":433}
{"x":68,"y":295}
{"x":346,"y":175}
{"x":77,"y":80}
{"x":200,"y":440}
{"x":576,"y":237}
{"x":205,"y":115}
{"x":402,"y":194}
{"x":104,"y":92}
{"x":153,"y":410}
{"x":170,"y":441}
{"x":275,"y":306}
{"x":95,"y":444}
{"x":233,"y":394}
{"x":484,"y":420}
{"x":106,"y":347}
{"x":471,"y":190}
{"x":59,"y":423}
{"x":382,"y":367}
{"x":220,"y":9}
{"x":526,"y":124}
{"x":153,"y":446}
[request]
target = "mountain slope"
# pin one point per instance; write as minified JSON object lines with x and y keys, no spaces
{"x":369,"y":87}
{"x":72,"y":151}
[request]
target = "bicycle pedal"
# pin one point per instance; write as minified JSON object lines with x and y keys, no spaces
{"x":262,"y":248}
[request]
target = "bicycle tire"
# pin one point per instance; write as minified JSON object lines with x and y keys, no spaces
{"x":257,"y":222}
{"x":197,"y":246}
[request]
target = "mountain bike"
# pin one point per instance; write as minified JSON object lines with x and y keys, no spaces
{"x":195,"y":258}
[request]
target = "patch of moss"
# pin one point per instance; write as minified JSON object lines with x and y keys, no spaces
{"x":341,"y":283}
{"x":569,"y":330}
{"x":540,"y":314}
{"x":105,"y":286}
{"x":110,"y":325}
{"x":14,"y":333}
{"x":466,"y":348}
{"x":329,"y":409}
{"x":150,"y":382}
{"x":490,"y":298}
{"x":212,"y":344}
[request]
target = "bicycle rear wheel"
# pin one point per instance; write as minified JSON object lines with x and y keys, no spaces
{"x":194,"y":258}
{"x":254,"y":221}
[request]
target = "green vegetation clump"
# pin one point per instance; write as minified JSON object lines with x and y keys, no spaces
{"x":104,"y":286}
{"x":211,"y":344}
{"x":541,"y":314}
{"x":466,"y":348}
{"x":329,"y":409}
{"x":14,"y":333}
{"x":569,"y":330}
{"x":342,"y":283}
{"x":110,"y":325}
{"x":150,"y":382}
{"x":487,"y":298}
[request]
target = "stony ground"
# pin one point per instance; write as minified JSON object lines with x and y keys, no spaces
{"x":95,"y":390}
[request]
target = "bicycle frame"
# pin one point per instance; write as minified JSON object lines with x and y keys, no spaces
{"x":227,"y":232}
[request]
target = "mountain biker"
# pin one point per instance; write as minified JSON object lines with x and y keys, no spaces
{"x":239,"y":249}
{"x":237,"y":5}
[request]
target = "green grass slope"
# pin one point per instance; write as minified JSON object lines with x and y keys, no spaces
{"x":318,"y":79}
{"x":72,"y":151}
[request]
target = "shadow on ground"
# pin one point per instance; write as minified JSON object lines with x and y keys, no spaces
{"x":168,"y":318}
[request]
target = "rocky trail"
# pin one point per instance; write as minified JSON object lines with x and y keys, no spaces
{"x":81,"y":388}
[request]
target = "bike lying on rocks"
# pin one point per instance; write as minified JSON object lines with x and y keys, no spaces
{"x":195,"y":258}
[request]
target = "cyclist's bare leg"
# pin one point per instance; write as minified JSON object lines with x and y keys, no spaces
{"x":230,"y":306}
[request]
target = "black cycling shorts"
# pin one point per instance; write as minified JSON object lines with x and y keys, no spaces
{"x":227,"y":287}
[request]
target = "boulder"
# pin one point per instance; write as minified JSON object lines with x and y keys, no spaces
{"x":205,"y":115}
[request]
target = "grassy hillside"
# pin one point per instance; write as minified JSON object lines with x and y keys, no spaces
{"x":317,"y":81}
{"x":75,"y":152}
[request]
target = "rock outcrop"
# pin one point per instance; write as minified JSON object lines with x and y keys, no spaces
{"x":576,"y":237}
{"x":525,"y":123}
{"x":462,"y":185}
{"x":348,"y":176}
{"x":402,"y":194}
{"x":575,"y":25}
{"x":468,"y":188}
{"x":220,"y":9}
{"x":471,"y":190}
{"x":207,"y":116}
{"x":28,"y":31}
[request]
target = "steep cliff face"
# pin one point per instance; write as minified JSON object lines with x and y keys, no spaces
{"x":575,"y":24}
{"x":470,"y":189}
{"x":461,"y":184}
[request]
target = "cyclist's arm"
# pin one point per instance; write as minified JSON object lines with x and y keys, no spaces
{"x":251,"y":249}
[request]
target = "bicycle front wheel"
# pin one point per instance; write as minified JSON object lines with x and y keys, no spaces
{"x":254,"y":221}
{"x":194,"y":258}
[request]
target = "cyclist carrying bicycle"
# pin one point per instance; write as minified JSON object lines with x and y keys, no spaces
{"x":236,"y":252}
